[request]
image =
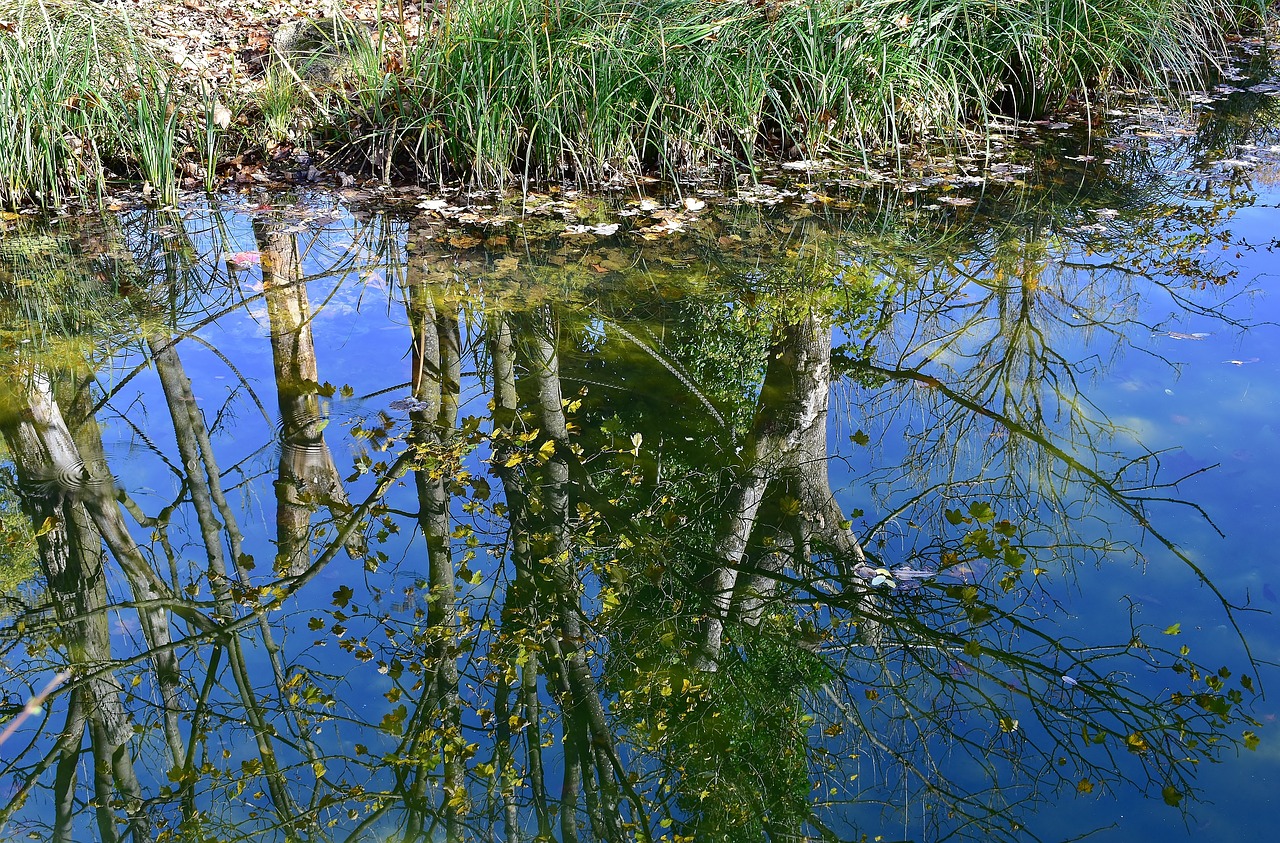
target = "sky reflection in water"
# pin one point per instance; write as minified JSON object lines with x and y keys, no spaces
{"x":639,"y":593}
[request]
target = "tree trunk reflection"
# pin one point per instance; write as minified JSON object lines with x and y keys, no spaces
{"x":307,"y":476}
{"x":436,"y":375}
{"x":785,"y":451}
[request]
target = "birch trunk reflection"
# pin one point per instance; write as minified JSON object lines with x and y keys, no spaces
{"x":435,"y":378}
{"x":516,"y":693}
{"x":307,"y":475}
{"x":544,"y":601}
{"x":784,"y":451}
{"x":204,"y":484}
{"x":221,"y":537}
{"x":73,"y":509}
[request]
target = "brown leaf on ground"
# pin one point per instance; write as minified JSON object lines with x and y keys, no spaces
{"x":224,"y":43}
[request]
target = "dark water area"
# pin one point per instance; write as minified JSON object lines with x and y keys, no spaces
{"x":924,"y":507}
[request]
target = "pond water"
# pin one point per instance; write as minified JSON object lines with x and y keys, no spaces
{"x":915,"y":508}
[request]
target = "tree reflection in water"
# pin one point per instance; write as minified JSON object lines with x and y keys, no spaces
{"x":581,"y":564}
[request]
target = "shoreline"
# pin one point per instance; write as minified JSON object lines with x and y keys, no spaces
{"x":498,"y":94}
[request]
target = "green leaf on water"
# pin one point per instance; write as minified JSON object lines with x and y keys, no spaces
{"x":393,"y":721}
{"x":1172,"y":796}
{"x":982,"y":511}
{"x":1174,"y":629}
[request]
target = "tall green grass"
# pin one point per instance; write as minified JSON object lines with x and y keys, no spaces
{"x":598,"y":89}
{"x":592,"y":90}
{"x":84,"y":101}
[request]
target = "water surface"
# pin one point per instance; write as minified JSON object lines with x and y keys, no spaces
{"x":916,"y":508}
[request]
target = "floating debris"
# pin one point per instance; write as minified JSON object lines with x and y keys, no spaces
{"x":408,"y":405}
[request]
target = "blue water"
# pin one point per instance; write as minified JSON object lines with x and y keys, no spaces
{"x":1029,"y":345}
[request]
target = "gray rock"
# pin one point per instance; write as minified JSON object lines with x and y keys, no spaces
{"x":321,"y":51}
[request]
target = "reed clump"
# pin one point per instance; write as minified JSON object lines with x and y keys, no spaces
{"x":85,"y":102}
{"x":599,"y":89}
{"x":526,"y":91}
